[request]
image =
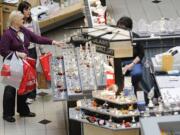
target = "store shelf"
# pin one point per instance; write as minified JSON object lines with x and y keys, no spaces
{"x":62,"y":14}
{"x":86,"y":68}
{"x":59,"y":17}
{"x":59,"y":93}
{"x":112,"y":99}
{"x":113,"y":114}
{"x":148,"y":38}
{"x":71,"y":72}
{"x":76,"y":115}
{"x":77,"y":80}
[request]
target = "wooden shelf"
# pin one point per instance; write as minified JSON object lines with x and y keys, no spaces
{"x":62,"y":14}
{"x":7,"y":9}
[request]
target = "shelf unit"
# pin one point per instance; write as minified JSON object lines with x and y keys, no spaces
{"x":76,"y":115}
{"x":7,"y":9}
{"x":71,"y":69}
{"x":115,"y":115}
{"x":62,"y":16}
{"x":58,"y":75}
{"x":110,"y":99}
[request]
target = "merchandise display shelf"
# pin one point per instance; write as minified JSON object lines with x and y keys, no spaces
{"x":157,"y":37}
{"x":57,"y":74}
{"x":71,"y":72}
{"x":168,"y":87}
{"x":77,"y":116}
{"x":99,"y":69}
{"x":62,"y":14}
{"x":76,"y":73}
{"x":120,"y":116}
{"x":112,"y":99}
{"x":156,"y":112}
{"x":113,"y":114}
{"x":86,"y":68}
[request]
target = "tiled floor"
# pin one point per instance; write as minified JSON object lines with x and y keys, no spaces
{"x":44,"y":106}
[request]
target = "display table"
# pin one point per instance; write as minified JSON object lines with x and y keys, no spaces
{"x":154,"y":125}
{"x":108,"y":114}
{"x":92,"y":130}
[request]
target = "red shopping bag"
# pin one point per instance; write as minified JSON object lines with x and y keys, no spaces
{"x":28,"y":82}
{"x":5,"y":71}
{"x":31,"y":61}
{"x":45,"y":63}
{"x":110,"y":79}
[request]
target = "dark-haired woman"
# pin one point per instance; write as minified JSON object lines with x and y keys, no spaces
{"x":31,"y":24}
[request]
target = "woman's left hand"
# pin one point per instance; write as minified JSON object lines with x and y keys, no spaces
{"x":58,"y":43}
{"x":127,"y":68}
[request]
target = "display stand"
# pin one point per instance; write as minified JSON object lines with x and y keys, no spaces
{"x":116,"y":115}
{"x":76,"y":73}
{"x":69,"y":82}
{"x":167,"y":124}
{"x":89,"y":130}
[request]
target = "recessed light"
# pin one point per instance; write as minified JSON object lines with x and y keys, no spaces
{"x":156,"y":1}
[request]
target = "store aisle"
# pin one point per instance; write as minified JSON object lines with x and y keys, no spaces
{"x":45,"y":109}
{"x":48,"y":112}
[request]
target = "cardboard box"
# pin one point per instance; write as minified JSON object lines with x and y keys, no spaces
{"x":122,"y":50}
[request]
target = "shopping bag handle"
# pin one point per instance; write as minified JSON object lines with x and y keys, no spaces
{"x":8,"y":55}
{"x":26,"y":62}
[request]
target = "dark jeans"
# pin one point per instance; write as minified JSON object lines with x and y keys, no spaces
{"x":9,"y":102}
{"x":135,"y":73}
{"x":32,"y":54}
{"x":103,"y":2}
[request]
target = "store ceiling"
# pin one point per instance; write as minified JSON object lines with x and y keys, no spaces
{"x":144,"y":9}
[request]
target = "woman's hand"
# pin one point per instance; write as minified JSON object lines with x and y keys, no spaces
{"x":58,"y":43}
{"x":127,"y":68}
{"x":21,"y":55}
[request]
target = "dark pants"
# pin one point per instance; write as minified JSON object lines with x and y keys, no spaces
{"x":135,"y":73}
{"x":32,"y":54}
{"x":9,"y":102}
{"x":103,"y":2}
{"x":118,"y":73}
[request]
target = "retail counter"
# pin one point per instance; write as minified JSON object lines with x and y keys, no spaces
{"x":157,"y":125}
